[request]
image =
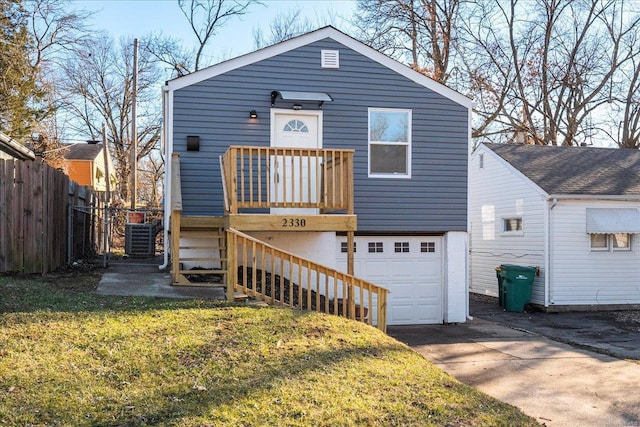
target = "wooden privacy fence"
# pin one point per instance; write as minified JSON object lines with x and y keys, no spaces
{"x":279,"y":277}
{"x":41,"y":226}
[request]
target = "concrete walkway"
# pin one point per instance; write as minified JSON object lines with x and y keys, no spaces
{"x":556,"y":383}
{"x":141,"y":277}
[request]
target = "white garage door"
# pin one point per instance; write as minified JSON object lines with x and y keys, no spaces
{"x":410,"y":267}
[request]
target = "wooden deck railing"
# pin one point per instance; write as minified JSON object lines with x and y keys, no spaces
{"x":271,"y":177}
{"x":280,"y":277}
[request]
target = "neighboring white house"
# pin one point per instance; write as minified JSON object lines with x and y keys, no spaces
{"x":572,"y":211}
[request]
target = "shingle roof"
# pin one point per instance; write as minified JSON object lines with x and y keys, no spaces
{"x":576,"y":170}
{"x":83,"y":152}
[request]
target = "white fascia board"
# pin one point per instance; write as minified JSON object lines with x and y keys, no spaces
{"x":308,"y":38}
{"x":483,"y":148}
{"x":611,"y":197}
{"x":16,"y":149}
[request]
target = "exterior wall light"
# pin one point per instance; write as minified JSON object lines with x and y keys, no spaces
{"x":253,"y":114}
{"x":297,"y":107}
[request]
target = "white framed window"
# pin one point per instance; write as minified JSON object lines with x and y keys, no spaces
{"x":512,"y":225}
{"x":618,"y":242}
{"x":389,"y":143}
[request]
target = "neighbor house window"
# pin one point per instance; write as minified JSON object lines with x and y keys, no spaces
{"x":512,"y":225}
{"x":611,"y":242}
{"x":389,"y":143}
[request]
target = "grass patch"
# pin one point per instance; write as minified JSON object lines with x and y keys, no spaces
{"x":71,"y":357}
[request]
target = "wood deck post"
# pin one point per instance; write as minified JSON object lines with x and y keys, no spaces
{"x":350,"y":252}
{"x":232,"y":265}
{"x":175,"y":245}
{"x":382,"y":311}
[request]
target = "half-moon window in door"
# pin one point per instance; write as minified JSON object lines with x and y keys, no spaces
{"x":296,"y":126}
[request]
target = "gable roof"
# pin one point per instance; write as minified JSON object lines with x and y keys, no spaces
{"x":83,"y":151}
{"x":308,"y":38}
{"x":575,"y":170}
{"x":14,"y":148}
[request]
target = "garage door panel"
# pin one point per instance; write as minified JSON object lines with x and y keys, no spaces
{"x":413,"y":278}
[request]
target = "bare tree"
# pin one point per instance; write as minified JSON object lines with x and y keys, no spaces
{"x":206,"y":16}
{"x":97,"y":83}
{"x":151,"y":173}
{"x":422,"y":31}
{"x":291,"y":24}
{"x":552,"y":64}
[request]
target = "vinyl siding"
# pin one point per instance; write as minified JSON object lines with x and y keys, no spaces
{"x":81,"y":171}
{"x":582,"y":277}
{"x":433,"y":200}
{"x":501,"y":192}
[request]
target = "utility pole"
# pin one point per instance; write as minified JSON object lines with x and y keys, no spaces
{"x":134,"y":131}
{"x":105,"y":218}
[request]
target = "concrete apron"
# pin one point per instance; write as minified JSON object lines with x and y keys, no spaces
{"x":553,"y":382}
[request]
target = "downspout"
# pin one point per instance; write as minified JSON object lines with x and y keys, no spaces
{"x":547,"y":275}
{"x":167,"y":177}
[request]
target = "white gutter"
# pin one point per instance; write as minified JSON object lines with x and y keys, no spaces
{"x":630,"y":197}
{"x":167,"y":139}
{"x":547,"y":260}
{"x":17,"y":149}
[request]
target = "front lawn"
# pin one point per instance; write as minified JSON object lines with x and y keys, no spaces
{"x":71,"y":357}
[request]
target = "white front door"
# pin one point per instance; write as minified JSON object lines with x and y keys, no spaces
{"x":293,"y":180}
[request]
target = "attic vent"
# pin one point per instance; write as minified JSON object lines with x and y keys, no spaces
{"x":330,"y":58}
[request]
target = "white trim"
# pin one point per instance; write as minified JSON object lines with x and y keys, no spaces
{"x":15,"y":149}
{"x":311,"y":37}
{"x":408,"y":144}
{"x":167,"y":127}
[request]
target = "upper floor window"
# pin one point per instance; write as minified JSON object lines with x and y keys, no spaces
{"x":389,"y":143}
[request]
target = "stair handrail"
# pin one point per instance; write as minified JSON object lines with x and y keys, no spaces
{"x":336,"y":306}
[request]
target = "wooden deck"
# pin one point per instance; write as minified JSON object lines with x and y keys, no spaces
{"x":276,"y":189}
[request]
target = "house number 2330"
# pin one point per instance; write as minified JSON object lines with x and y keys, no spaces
{"x":294,"y":222}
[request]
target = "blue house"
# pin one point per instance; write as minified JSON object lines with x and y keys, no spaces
{"x":320,"y":173}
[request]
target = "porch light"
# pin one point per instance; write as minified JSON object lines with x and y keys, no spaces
{"x":297,"y":107}
{"x":253,"y":114}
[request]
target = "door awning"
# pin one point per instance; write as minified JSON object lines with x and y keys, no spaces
{"x":611,"y":221}
{"x":286,"y":95}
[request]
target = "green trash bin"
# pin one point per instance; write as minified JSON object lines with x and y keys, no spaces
{"x":514,"y":286}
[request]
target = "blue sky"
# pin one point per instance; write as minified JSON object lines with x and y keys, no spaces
{"x":138,"y":18}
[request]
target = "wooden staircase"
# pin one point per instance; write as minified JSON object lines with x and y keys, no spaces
{"x":206,"y":254}
{"x":218,"y":255}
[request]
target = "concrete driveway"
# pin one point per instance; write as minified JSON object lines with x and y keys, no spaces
{"x":557,"y":383}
